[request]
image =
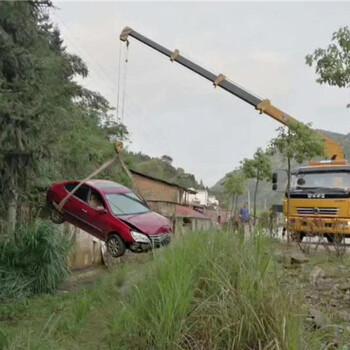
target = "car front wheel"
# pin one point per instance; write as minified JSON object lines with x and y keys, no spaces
{"x":115,"y":245}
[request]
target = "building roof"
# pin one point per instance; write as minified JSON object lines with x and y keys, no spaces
{"x":163,"y":181}
{"x":183,"y":210}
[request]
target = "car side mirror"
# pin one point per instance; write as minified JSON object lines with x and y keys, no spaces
{"x":101,"y":210}
{"x":274,"y":187}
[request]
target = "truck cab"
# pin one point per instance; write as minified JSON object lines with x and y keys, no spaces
{"x":320,"y":200}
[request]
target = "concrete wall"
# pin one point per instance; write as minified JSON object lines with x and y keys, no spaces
{"x":86,"y":250}
{"x":218,"y":215}
{"x":180,"y":224}
{"x":154,"y":190}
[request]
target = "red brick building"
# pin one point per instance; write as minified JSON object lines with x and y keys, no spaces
{"x":154,"y":189}
{"x":171,"y":201}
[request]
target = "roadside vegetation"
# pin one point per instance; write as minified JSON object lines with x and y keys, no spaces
{"x":206,"y":291}
{"x":52,"y":129}
{"x":33,"y":260}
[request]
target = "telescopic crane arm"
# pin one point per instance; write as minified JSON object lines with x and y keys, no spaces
{"x":332,"y":148}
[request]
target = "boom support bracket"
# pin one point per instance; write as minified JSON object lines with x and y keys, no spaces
{"x":262,"y":106}
{"x":174,"y":55}
{"x":219,"y":80}
{"x":125,"y":34}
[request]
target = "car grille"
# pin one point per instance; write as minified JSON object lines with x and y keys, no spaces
{"x":161,"y":239}
{"x":317,"y":211}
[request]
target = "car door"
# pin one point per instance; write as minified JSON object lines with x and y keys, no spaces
{"x":97,"y":219}
{"x":76,"y":208}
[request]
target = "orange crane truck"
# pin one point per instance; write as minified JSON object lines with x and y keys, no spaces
{"x":320,"y":192}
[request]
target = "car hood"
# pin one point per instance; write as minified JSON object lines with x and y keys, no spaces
{"x":150,"y":223}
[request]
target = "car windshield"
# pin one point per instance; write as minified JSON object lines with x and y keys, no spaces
{"x":329,"y":180}
{"x":126,"y":204}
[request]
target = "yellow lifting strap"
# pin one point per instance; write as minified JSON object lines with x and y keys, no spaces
{"x":219,"y":80}
{"x":174,"y":55}
{"x":118,"y":147}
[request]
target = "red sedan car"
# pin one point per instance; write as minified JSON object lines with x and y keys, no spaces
{"x":112,"y":213}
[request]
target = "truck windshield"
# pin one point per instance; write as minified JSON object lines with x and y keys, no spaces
{"x":322,"y":179}
{"x":126,"y":204}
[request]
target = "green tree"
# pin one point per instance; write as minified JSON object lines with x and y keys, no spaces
{"x":234,"y":186}
{"x":166,"y":159}
{"x":47,"y":119}
{"x":297,"y":142}
{"x":201,"y":185}
{"x":333,"y":63}
{"x":23,"y":84}
{"x":259,"y":168}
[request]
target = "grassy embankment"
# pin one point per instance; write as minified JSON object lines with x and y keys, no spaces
{"x":205,"y":291}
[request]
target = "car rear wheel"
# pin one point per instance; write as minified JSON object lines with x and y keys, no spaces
{"x":115,"y":245}
{"x":55,"y":216}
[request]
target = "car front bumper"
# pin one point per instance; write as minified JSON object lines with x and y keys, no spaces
{"x":157,"y":241}
{"x":138,"y":247}
{"x":160,"y":240}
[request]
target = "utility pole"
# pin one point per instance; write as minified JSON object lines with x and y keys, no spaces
{"x":248,"y":193}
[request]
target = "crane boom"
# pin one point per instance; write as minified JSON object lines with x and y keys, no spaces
{"x":332,"y":148}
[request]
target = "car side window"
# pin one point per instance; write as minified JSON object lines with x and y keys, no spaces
{"x":95,"y":199}
{"x":82,"y":192}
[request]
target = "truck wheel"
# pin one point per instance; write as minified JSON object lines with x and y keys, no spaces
{"x":335,"y":238}
{"x":55,"y":216}
{"x":298,"y":236}
{"x":115,"y":245}
{"x":330,"y":237}
{"x":339,"y":239}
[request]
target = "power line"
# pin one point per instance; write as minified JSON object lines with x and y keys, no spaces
{"x":96,"y":67}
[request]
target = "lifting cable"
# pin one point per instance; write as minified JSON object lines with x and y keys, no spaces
{"x":118,"y":79}
{"x":121,"y":81}
{"x":125,"y":78}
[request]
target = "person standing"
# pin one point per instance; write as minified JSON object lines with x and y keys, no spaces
{"x":245,"y":217}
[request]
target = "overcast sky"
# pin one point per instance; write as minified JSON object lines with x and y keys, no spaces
{"x":170,"y":110}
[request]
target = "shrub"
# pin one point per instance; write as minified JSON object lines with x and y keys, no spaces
{"x":33,"y":260}
{"x":264,"y":219}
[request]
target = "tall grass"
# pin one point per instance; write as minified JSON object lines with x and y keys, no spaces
{"x":33,"y":260}
{"x":206,"y":291}
{"x":210,"y":291}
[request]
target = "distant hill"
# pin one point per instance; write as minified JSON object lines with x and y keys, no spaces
{"x":161,"y":168}
{"x":267,"y":197}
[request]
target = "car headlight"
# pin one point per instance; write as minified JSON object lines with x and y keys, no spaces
{"x":139,"y":237}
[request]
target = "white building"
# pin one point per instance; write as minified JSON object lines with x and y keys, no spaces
{"x":202,"y":198}
{"x":212,"y":202}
